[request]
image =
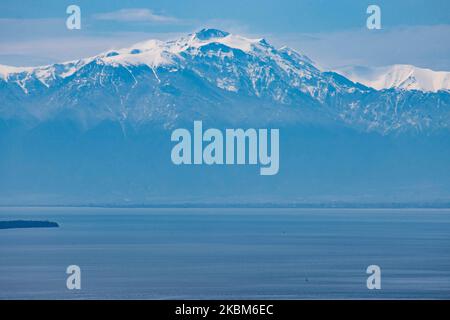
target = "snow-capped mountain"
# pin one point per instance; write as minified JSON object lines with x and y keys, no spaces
{"x":97,"y":130}
{"x":214,"y":75}
{"x":400,"y":76}
{"x":155,"y":53}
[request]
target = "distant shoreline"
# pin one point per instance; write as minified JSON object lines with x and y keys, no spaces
{"x":21,"y":224}
{"x":193,"y":205}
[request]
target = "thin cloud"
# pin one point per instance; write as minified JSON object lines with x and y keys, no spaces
{"x":422,"y":46}
{"x":135,"y":15}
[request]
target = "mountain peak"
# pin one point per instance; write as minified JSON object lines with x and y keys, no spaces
{"x":207,"y":34}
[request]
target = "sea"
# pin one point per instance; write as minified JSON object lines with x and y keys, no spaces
{"x":226,"y":253}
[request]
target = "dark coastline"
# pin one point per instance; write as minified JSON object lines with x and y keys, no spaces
{"x":14,"y":224}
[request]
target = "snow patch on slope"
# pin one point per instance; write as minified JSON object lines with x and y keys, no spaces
{"x":5,"y":71}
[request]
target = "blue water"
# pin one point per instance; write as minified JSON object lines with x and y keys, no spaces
{"x":227,"y":253}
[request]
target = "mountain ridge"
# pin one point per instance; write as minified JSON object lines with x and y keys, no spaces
{"x":215,"y":75}
{"x":401,"y":76}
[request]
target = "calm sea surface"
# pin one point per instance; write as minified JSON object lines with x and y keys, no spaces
{"x":226,"y":253}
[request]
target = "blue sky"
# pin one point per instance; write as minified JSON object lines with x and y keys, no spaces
{"x":332,"y":33}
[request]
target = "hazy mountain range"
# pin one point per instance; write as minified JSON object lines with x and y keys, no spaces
{"x":97,"y":129}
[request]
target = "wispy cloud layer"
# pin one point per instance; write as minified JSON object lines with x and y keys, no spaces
{"x":422,"y":46}
{"x":135,"y":15}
